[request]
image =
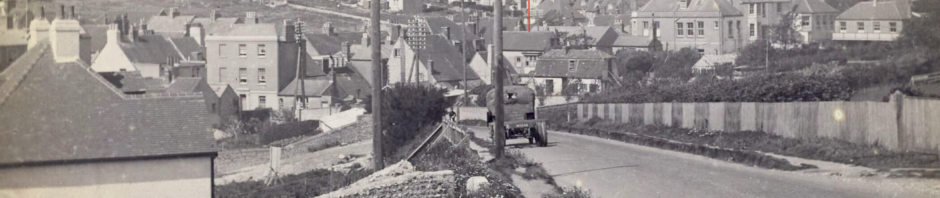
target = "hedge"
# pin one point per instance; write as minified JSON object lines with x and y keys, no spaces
{"x":288,"y":130}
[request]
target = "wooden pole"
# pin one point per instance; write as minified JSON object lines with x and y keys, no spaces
{"x":376,"y":35}
{"x":499,"y":130}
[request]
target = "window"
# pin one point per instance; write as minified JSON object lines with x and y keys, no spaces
{"x":751,"y":8}
{"x":861,"y":26}
{"x":280,"y":103}
{"x":518,"y":59}
{"x":213,"y":107}
{"x":679,"y":30}
{"x":261,"y":51}
{"x":395,"y":53}
{"x":242,"y":75}
{"x":261,"y":78}
{"x":572,"y":66}
{"x":646,"y":25}
{"x":196,"y":72}
{"x":892,"y":25}
{"x":730,"y":29}
{"x":842,"y":25}
{"x":549,"y":86}
{"x":877,"y":27}
{"x":242,"y":51}
{"x":752,"y":30}
{"x":690,"y":30}
{"x":804,"y":21}
{"x":701,"y":28}
{"x":10,"y":22}
{"x":221,"y":48}
{"x":221,"y":74}
{"x":717,"y":24}
{"x":658,"y":33}
{"x":261,"y":101}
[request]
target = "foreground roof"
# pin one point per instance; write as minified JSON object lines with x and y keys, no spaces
{"x":64,"y":112}
{"x":527,"y":41}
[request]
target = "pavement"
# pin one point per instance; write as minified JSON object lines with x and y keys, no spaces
{"x":610,"y":168}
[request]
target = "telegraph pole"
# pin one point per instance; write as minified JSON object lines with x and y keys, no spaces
{"x":499,"y":130}
{"x":377,"y":155}
{"x":463,"y":51}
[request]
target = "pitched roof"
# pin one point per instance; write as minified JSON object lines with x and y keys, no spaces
{"x":62,"y":112}
{"x":354,"y":84}
{"x":485,"y":26}
{"x":187,"y":45}
{"x":363,"y":52}
{"x":696,"y":8}
{"x":324,"y":44}
{"x":632,"y":41}
{"x":603,"y":35}
{"x":588,"y":64}
{"x":312,"y":87}
{"x":884,"y":10}
{"x":364,"y":68}
{"x":813,"y":6}
{"x":169,"y":24}
{"x":266,"y":30}
{"x":134,"y":82}
{"x":612,"y":19}
{"x":448,"y":62}
{"x":153,"y":49}
{"x":709,"y":61}
{"x":98,"y":36}
{"x":527,"y":41}
{"x":437,"y":24}
{"x":215,"y":27}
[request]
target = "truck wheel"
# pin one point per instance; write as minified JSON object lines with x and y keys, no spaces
{"x":544,"y":136}
{"x":531,"y":140}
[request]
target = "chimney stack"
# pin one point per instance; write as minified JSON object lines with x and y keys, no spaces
{"x":125,"y":27}
{"x":347,"y":51}
{"x":64,"y":37}
{"x":446,"y":32}
{"x":113,"y":34}
{"x":42,"y":12}
{"x":214,"y":14}
{"x":394,"y":34}
{"x":132,"y":36}
{"x":328,"y":29}
{"x":289,"y":31}
{"x":73,"y":12}
{"x":251,"y":18}
{"x":38,"y":29}
{"x":174,"y":12}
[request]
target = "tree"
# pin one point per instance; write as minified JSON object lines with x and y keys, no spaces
{"x":406,"y":109}
{"x":785,"y":33}
{"x":676,"y":64}
{"x":632,"y":66}
{"x":572,"y":90}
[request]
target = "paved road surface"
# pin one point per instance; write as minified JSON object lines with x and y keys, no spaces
{"x":615,"y":169}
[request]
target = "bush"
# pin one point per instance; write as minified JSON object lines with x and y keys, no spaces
{"x":326,"y":145}
{"x":288,"y":130}
{"x":480,"y":91}
{"x":769,"y":88}
{"x":406,"y":109}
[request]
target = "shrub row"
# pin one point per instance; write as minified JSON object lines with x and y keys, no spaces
{"x":770,"y":88}
{"x":288,"y":130}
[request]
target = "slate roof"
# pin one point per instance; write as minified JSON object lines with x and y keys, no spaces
{"x":526,"y":41}
{"x":187,"y":45}
{"x":485,"y":26}
{"x":259,"y":30}
{"x":437,"y":24}
{"x":362,"y":52}
{"x":632,"y":41}
{"x":98,"y":35}
{"x":168,"y":24}
{"x":324,"y":44}
{"x":133,"y":82}
{"x":215,"y":27}
{"x":313,"y":87}
{"x":697,"y":8}
{"x":603,"y":35}
{"x":813,"y":6}
{"x":589,"y":64}
{"x":184,"y":85}
{"x":884,"y":10}
{"x":150,"y":49}
{"x":364,"y":68}
{"x":353,"y":83}
{"x":64,"y":112}
{"x":611,"y":20}
{"x":448,"y":62}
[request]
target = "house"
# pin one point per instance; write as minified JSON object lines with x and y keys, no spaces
{"x":140,"y":50}
{"x":328,"y":41}
{"x":523,"y":49}
{"x":815,"y":20}
{"x":481,"y":65}
{"x":312,"y":92}
{"x":169,"y":22}
{"x":872,"y":21}
{"x":709,"y":62}
{"x":591,"y":70}
{"x":433,"y":60}
{"x":85,"y":138}
{"x":603,"y":36}
{"x":247,"y":57}
{"x":212,"y":25}
{"x":15,"y":22}
{"x":358,"y":58}
{"x":710,"y":26}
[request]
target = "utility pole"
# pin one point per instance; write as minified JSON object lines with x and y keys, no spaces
{"x":463,"y":51}
{"x":377,"y":155}
{"x":499,"y":134}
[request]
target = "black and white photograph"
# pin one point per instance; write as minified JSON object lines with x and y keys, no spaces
{"x":469,"y":98}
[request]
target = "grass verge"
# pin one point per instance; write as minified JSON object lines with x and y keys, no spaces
{"x":308,"y":184}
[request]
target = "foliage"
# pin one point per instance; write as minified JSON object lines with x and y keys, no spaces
{"x":922,"y":31}
{"x":676,"y":64}
{"x":769,"y":88}
{"x":572,"y":90}
{"x":406,"y":109}
{"x":784,"y":32}
{"x":573,"y":192}
{"x":308,"y":184}
{"x":367,"y":104}
{"x":540,"y":94}
{"x":480,"y":92}
{"x":282,"y":131}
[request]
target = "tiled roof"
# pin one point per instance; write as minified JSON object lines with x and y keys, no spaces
{"x":184,"y":85}
{"x":267,"y":30}
{"x":632,"y":41}
{"x":61,"y":112}
{"x":169,"y":24}
{"x":324,"y":44}
{"x":813,"y":6}
{"x":696,"y":8}
{"x":526,"y":41}
{"x":354,"y":84}
{"x":884,"y":10}
{"x":485,"y":26}
{"x":588,"y":64}
{"x":149,"y":49}
{"x":448,"y":62}
{"x":364,"y":68}
{"x":313,"y":87}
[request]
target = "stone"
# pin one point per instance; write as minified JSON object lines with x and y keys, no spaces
{"x":475,"y":183}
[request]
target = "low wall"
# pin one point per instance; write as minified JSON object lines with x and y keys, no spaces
{"x":904,"y":123}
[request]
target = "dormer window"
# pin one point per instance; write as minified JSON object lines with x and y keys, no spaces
{"x":572,"y":66}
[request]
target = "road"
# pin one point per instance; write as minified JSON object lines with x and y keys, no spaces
{"x":614,"y":169}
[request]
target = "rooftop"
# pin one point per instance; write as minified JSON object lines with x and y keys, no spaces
{"x":813,"y":6}
{"x":883,"y":10}
{"x":94,"y":120}
{"x":696,"y":8}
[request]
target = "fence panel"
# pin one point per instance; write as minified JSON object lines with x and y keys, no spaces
{"x":636,"y":113}
{"x":667,"y":114}
{"x":748,"y":116}
{"x":732,"y":118}
{"x":701,"y":116}
{"x":688,"y":115}
{"x":677,"y":114}
{"x":647,"y":113}
{"x":716,"y":116}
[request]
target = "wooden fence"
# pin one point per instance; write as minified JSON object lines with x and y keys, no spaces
{"x":904,"y":123}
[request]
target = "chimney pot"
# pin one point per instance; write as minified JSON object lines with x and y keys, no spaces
{"x":73,"y":12}
{"x":446,"y":33}
{"x":61,"y":11}
{"x":42,"y":12}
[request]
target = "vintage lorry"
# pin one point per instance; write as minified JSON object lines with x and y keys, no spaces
{"x":519,"y":113}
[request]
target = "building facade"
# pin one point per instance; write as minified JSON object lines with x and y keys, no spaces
{"x":872,"y":21}
{"x":710,"y":26}
{"x":246,"y":58}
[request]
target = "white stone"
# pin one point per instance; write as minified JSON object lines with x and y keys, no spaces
{"x":475,"y":183}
